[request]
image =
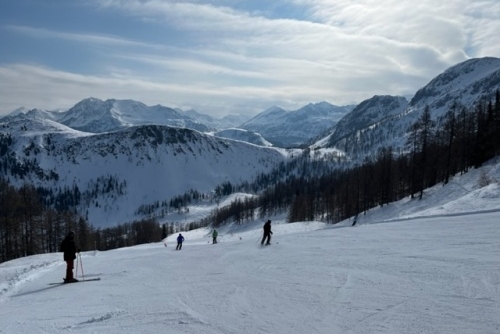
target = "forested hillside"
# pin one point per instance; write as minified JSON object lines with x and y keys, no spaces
{"x":435,"y":151}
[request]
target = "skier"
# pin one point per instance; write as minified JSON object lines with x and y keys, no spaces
{"x":267,"y":233}
{"x":355,"y":220}
{"x":68,"y":247}
{"x":180,"y":240}
{"x":214,"y":236}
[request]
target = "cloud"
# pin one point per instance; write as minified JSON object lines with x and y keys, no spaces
{"x":35,"y":87}
{"x":201,"y":17}
{"x":445,"y":25}
{"x":78,"y":37}
{"x":338,"y":32}
{"x":222,"y":56}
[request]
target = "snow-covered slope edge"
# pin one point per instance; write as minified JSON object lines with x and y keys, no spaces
{"x":478,"y":190}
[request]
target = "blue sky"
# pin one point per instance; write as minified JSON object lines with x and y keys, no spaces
{"x":232,"y":56}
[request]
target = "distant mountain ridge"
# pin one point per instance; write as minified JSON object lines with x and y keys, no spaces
{"x":228,"y":121}
{"x":95,"y":115}
{"x":296,"y":127}
{"x":276,"y":125}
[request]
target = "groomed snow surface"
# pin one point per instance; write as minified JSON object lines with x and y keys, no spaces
{"x":429,"y":266}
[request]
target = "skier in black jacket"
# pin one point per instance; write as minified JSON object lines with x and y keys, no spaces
{"x":68,"y":247}
{"x":267,"y":233}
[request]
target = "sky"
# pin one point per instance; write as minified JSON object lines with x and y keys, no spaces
{"x":414,"y":266}
{"x":223,"y":57}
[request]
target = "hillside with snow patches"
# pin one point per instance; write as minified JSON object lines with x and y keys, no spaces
{"x":149,"y":163}
{"x":243,"y":135}
{"x":413,"y":266}
{"x":364,"y":116}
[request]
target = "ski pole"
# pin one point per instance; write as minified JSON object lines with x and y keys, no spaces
{"x":81,"y":266}
{"x":76,"y":269}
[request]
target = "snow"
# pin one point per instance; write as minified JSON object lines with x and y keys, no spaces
{"x":416,"y":266}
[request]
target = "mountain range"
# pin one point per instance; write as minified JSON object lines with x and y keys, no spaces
{"x":122,"y":154}
{"x":384,"y":121}
{"x":275,"y":125}
{"x":293,"y":128}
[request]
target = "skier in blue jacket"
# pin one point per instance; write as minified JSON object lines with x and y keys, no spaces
{"x":180,"y":240}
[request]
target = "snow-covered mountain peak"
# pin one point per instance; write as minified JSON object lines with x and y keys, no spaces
{"x":95,"y":115}
{"x":20,"y":110}
{"x":319,"y":106}
{"x":294,"y":128}
{"x":270,"y":115}
{"x":274,"y":110}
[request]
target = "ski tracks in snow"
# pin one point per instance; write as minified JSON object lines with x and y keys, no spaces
{"x":157,"y":321}
{"x":15,"y":274}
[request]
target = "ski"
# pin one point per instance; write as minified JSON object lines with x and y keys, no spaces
{"x":85,"y":280}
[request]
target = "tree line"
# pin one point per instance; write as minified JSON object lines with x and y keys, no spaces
{"x":29,"y":226}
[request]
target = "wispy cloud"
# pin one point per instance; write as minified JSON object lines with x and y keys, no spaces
{"x":34,"y":86}
{"x":445,"y":25}
{"x":338,"y":31}
{"x":79,"y":37}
